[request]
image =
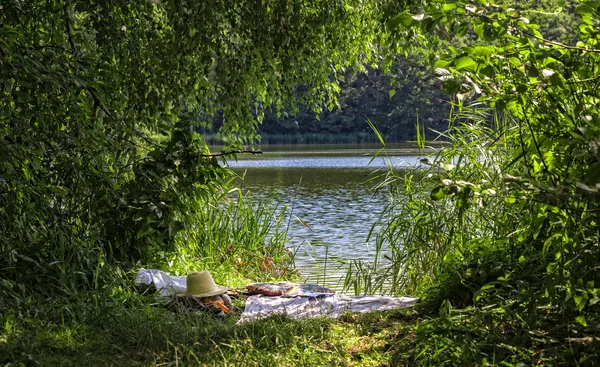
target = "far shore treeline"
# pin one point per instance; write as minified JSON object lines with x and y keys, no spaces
{"x":394,"y":103}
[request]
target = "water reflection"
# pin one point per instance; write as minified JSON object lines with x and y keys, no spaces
{"x":331,"y":204}
{"x":268,"y":161}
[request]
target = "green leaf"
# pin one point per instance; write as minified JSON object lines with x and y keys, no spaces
{"x":462,"y":29}
{"x":522,"y":88}
{"x":479,"y":30}
{"x":533,"y":71}
{"x":303,"y":223}
{"x":556,"y":80}
{"x":580,"y":301}
{"x":581,"y":320}
{"x":438,"y":193}
{"x":584,"y":8}
{"x":404,"y":19}
{"x":451,"y":86}
{"x":488,"y":71}
{"x":440,"y":64}
{"x":485,"y":51}
{"x":391,"y":93}
{"x":376,"y":131}
{"x":23,"y":96}
{"x":465,"y":63}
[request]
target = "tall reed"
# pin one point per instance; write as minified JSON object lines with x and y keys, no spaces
{"x":424,"y":224}
{"x":234,"y":235}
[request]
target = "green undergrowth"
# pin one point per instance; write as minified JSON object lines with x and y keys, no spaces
{"x":492,"y":336}
{"x":138,"y":334}
{"x":236,"y":236}
{"x":130,"y":330}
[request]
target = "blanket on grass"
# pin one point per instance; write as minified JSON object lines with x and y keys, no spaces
{"x":299,"y":302}
{"x":334,"y":306}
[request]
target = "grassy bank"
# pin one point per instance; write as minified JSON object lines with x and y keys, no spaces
{"x":50,"y":318}
{"x":57,"y":322}
{"x":129,"y":331}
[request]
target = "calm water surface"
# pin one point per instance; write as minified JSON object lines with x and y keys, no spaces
{"x":331,"y":202}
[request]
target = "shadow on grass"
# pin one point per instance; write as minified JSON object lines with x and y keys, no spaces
{"x":135,"y":333}
{"x":65,"y":334}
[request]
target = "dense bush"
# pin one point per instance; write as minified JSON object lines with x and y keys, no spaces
{"x":99,"y":164}
{"x":505,"y":220}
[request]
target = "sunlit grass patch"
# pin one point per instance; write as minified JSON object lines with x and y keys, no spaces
{"x":138,"y":335}
{"x":237,"y":237}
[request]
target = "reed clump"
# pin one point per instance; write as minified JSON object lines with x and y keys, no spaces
{"x":494,"y":254}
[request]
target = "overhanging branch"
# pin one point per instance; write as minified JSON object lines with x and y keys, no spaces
{"x":222,"y":154}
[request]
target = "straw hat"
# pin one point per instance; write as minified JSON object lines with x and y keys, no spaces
{"x":201,"y":284}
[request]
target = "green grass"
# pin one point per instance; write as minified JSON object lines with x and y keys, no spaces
{"x":132,"y":332}
{"x":55,"y":320}
{"x":236,"y":237}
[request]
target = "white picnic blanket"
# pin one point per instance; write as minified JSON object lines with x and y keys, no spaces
{"x":334,"y":306}
{"x":297,"y":307}
{"x":166,"y":284}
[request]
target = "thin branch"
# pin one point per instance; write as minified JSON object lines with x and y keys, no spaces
{"x":70,"y":31}
{"x":70,"y":37}
{"x":97,"y":101}
{"x":584,"y":80}
{"x":556,"y":43}
{"x":145,"y":138}
{"x":221,"y":154}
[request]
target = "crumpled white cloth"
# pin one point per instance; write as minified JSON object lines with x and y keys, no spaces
{"x":166,"y":285}
{"x":334,"y":306}
{"x":259,"y":307}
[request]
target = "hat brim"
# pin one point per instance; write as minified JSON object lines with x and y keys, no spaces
{"x":214,"y":292}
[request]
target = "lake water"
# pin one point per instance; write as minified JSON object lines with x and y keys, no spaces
{"x":328,"y":192}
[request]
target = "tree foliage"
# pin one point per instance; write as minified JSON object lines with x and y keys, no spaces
{"x":97,"y":152}
{"x":393,"y":101}
{"x":404,"y":89}
{"x":510,"y":221}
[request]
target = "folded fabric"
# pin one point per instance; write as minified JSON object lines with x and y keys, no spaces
{"x":165,"y":284}
{"x":288,"y":289}
{"x":335,"y":305}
